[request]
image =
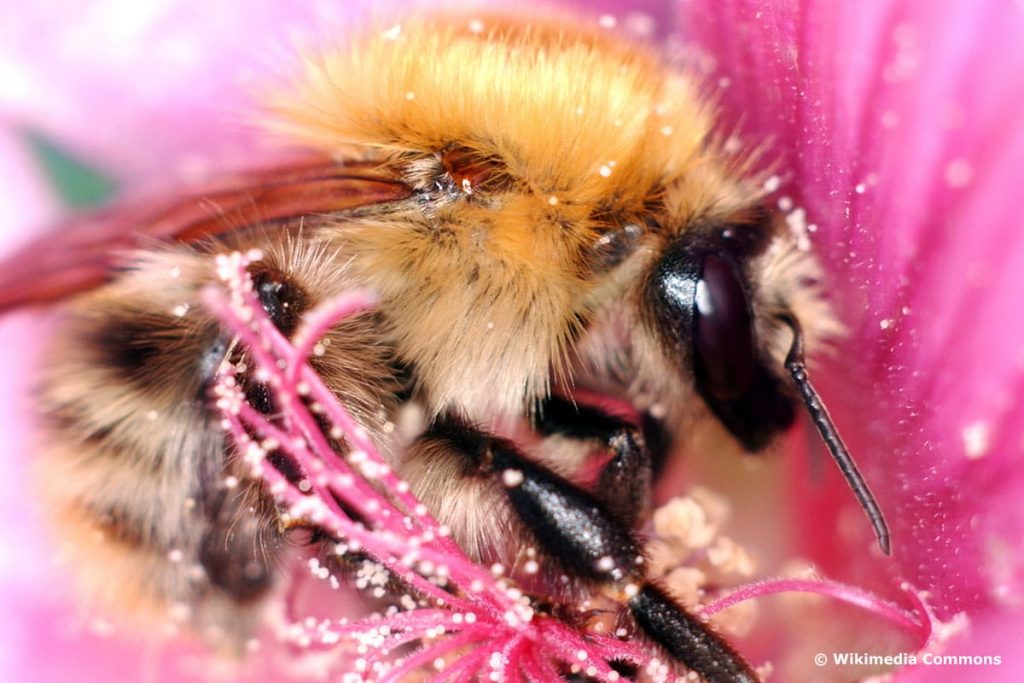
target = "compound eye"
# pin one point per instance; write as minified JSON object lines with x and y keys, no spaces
{"x":723,"y":330}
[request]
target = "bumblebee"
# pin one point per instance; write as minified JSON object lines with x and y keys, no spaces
{"x":542,"y":210}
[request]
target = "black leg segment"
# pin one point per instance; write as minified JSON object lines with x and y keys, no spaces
{"x":590,"y":543}
{"x":624,"y":486}
{"x":568,"y":522}
{"x":688,"y":639}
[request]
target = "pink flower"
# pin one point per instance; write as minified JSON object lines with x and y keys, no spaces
{"x":895,"y":130}
{"x":899,"y":133}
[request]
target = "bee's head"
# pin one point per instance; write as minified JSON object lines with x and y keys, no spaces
{"x":732,"y":305}
{"x":717,"y":300}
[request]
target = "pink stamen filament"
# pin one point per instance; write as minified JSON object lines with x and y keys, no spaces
{"x":318,"y":322}
{"x":380,"y":544}
{"x":465,"y":668}
{"x":428,"y":654}
{"x":537,"y":668}
{"x":366,"y":499}
{"x":330,"y":312}
{"x":838,"y":591}
{"x":398,"y":540}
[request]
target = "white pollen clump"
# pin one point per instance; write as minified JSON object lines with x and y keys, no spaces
{"x":512,"y":478}
{"x":685,"y":521}
{"x":605,"y":564}
{"x":977,"y":439}
{"x":605,"y":170}
{"x":666,"y":130}
{"x":179,"y":611}
{"x":860,"y":188}
{"x":393,"y":33}
{"x":772,"y":183}
{"x":796,"y":220}
{"x":732,"y":145}
{"x":476,"y":26}
{"x":180,"y":310}
{"x":688,"y":553}
{"x":640,"y":24}
{"x":531,"y":567}
{"x":729,"y":557}
{"x":885,"y":324}
{"x":607,"y":21}
{"x":959,"y":173}
{"x":410,"y":96}
{"x":553,"y":200}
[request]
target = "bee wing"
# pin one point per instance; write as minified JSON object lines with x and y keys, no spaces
{"x":82,"y":253}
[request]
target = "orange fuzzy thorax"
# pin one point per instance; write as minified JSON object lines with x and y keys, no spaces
{"x":572,"y":135}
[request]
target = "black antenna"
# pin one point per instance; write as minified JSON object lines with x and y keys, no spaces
{"x":830,"y":435}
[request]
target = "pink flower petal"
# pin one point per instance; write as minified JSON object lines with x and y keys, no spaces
{"x":147,"y":91}
{"x":898,"y":129}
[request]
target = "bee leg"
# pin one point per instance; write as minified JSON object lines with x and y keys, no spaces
{"x":687,"y":638}
{"x":589,"y":542}
{"x":625,"y":482}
